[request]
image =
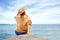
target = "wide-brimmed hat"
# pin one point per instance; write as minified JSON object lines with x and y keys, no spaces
{"x":21,"y":10}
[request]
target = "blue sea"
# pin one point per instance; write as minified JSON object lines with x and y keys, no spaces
{"x":48,"y":31}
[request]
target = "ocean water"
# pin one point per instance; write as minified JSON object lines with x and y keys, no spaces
{"x":48,"y":31}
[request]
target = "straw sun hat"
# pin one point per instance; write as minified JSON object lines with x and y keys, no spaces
{"x":21,"y":10}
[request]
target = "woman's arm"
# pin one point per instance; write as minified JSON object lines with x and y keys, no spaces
{"x":29,"y":24}
{"x":28,"y":30}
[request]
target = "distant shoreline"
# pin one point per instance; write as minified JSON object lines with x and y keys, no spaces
{"x":32,"y":24}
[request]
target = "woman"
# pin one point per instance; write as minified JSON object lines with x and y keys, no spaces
{"x":23,"y":22}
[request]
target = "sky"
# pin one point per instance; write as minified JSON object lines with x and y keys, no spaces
{"x":40,"y":11}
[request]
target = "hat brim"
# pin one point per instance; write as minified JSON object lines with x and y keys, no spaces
{"x":22,"y":10}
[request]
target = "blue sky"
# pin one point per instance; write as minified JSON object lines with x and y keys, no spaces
{"x":40,"y":11}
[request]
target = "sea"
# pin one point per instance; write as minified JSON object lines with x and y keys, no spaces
{"x":47,"y":31}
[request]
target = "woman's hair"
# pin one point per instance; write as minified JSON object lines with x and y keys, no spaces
{"x":23,"y":13}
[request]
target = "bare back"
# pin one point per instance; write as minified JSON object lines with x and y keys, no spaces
{"x":21,"y":23}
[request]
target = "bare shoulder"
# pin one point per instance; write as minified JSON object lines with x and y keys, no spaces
{"x":27,"y":16}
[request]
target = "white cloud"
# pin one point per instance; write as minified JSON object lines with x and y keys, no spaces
{"x":49,"y":16}
{"x":47,"y":3}
{"x":39,"y":14}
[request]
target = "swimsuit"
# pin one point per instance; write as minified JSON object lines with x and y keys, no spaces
{"x":20,"y":33}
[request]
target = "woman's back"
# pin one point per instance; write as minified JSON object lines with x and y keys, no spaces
{"x":21,"y":22}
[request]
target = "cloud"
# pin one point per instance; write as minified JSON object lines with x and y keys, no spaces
{"x":49,"y":16}
{"x":40,"y":11}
